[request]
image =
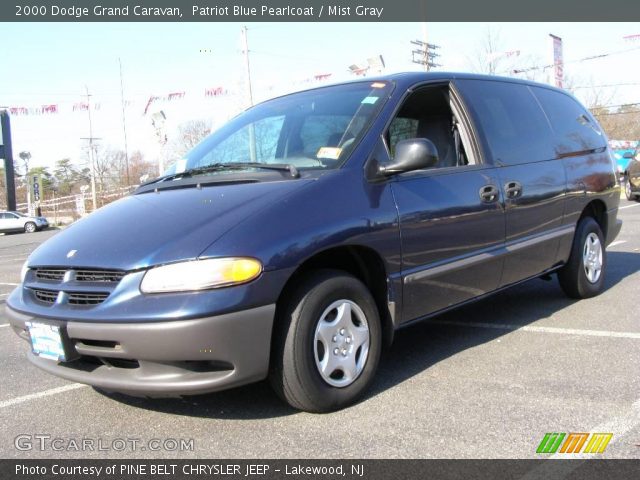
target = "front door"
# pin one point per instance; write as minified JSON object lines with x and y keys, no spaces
{"x":452,"y":227}
{"x":451,"y":216}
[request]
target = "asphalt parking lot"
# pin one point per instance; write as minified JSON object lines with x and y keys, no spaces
{"x":484,"y":381}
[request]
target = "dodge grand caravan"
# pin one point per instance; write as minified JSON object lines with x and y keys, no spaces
{"x":294,"y":241}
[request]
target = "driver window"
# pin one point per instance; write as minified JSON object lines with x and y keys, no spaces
{"x":427,"y":114}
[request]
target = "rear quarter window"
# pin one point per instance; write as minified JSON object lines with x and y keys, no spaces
{"x":575,"y":130}
{"x":515,"y":128}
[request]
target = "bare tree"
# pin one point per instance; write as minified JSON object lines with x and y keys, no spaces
{"x":492,"y":57}
{"x":110,"y":168}
{"x":139,"y":167}
{"x":485,"y":58}
{"x":189,"y":135}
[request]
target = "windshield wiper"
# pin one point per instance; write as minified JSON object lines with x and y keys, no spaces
{"x":266,"y":166}
{"x":217,"y":167}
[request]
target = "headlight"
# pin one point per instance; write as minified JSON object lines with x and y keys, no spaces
{"x":23,"y":271}
{"x":200,"y":275}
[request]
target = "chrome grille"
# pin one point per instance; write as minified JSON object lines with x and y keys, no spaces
{"x":81,"y":287}
{"x":81,"y":275}
{"x":46,"y":296}
{"x":50,"y":274}
{"x":99,"y":275}
{"x":86,"y":298}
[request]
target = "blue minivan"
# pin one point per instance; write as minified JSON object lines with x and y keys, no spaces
{"x":292,"y":243}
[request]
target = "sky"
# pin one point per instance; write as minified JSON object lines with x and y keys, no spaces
{"x":56,"y":63}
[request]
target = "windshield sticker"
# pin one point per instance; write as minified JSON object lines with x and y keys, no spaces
{"x":332,"y":153}
{"x":370,"y":100}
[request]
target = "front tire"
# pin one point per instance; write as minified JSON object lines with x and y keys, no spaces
{"x":327,"y":343}
{"x":583,"y":275}
{"x":30,"y":227}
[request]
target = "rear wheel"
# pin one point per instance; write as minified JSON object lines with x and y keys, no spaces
{"x":327,"y":344}
{"x":628,"y":190}
{"x":583,"y":275}
{"x":30,"y":227}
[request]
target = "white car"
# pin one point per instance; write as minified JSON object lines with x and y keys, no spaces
{"x":19,"y":222}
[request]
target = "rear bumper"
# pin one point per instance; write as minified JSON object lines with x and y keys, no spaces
{"x":162,"y":359}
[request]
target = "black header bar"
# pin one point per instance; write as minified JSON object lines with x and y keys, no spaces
{"x":316,"y":10}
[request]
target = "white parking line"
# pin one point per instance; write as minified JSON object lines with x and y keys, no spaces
{"x":8,"y":284}
{"x":629,"y":206}
{"x":45,"y":393}
{"x":533,"y":328}
{"x":4,"y":325}
{"x":619,"y":426}
{"x":617,"y":242}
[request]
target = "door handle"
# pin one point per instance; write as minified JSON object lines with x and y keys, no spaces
{"x":489,"y":193}
{"x":512,"y":189}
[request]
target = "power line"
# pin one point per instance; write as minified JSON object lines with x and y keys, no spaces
{"x":584,"y":59}
{"x":616,"y":113}
{"x":607,"y":85}
{"x":425,"y":54}
{"x":632,"y":104}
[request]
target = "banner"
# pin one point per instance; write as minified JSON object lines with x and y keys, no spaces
{"x":209,"y":93}
{"x":558,"y":62}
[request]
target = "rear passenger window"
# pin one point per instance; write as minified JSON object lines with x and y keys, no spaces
{"x":574,"y":128}
{"x":514,"y":126}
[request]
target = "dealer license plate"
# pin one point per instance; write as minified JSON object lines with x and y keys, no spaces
{"x":46,"y":341}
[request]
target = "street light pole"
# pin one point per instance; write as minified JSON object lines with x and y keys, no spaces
{"x":94,"y":197}
{"x":124,"y":124}
{"x":249,"y":92}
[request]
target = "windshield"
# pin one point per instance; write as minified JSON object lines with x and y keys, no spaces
{"x":315,"y":129}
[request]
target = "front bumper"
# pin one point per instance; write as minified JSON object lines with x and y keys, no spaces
{"x":162,"y":359}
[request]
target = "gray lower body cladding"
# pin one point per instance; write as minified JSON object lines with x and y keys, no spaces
{"x":162,"y":359}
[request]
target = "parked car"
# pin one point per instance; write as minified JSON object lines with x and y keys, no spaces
{"x":631,"y":178}
{"x":293,"y":242}
{"x":623,"y":158}
{"x":19,"y":222}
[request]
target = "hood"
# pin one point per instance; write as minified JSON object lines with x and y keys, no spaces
{"x":152,"y":228}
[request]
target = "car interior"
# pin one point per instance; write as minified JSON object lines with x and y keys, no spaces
{"x":427,"y":114}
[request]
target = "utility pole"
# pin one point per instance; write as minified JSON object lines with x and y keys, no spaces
{"x":124,"y":124}
{"x":94,"y":197}
{"x":425,"y":54}
{"x":6,"y":153}
{"x":247,"y":67}
{"x":249,"y":92}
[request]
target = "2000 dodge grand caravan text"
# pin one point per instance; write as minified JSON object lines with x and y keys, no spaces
{"x":295,"y":240}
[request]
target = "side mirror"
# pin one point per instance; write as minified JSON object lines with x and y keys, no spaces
{"x":411,"y":154}
{"x":628,"y":155}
